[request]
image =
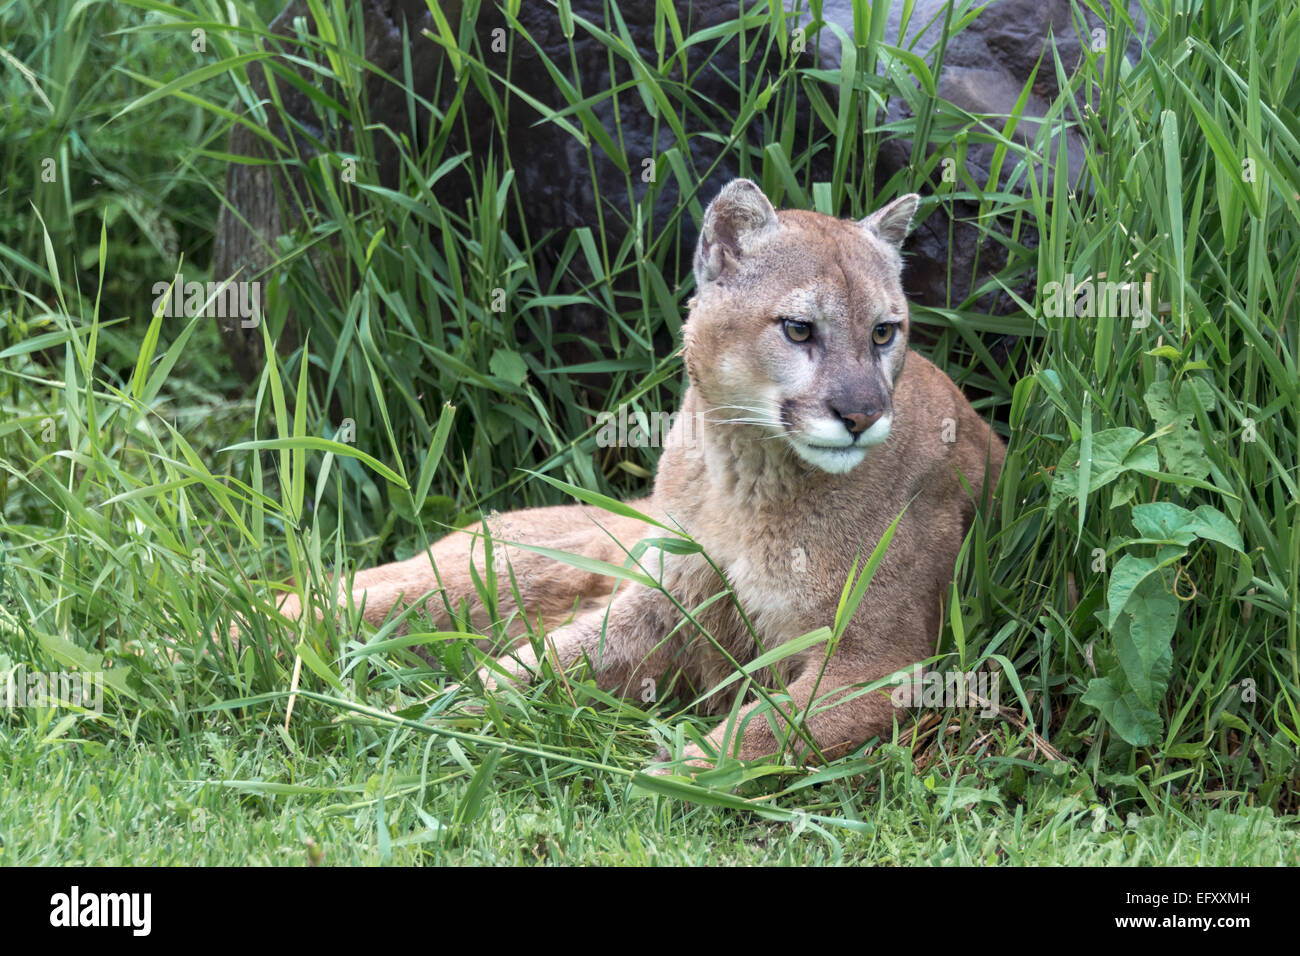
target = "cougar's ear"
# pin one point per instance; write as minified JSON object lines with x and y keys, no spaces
{"x":738,"y":216}
{"x":892,"y":223}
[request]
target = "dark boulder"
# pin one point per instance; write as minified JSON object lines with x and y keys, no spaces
{"x":985,"y":67}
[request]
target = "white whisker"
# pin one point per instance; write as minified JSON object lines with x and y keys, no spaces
{"x":739,"y":421}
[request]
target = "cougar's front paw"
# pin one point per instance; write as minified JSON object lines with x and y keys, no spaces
{"x":493,"y":680}
{"x":693,"y":761}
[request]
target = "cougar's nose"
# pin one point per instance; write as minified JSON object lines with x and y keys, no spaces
{"x":858,"y":422}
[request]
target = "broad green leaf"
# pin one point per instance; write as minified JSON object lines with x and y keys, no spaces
{"x":1130,"y":571}
{"x":1181,"y":446}
{"x":1165,"y":520}
{"x":1213,"y":525}
{"x":1114,"y":451}
{"x":1132,"y":720}
{"x":509,"y":366}
{"x":1142,"y":638}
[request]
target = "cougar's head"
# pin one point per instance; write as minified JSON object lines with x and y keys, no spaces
{"x":799,"y":326}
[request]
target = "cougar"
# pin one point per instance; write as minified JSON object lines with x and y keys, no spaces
{"x":807,"y":427}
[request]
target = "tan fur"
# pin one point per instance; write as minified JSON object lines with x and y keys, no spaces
{"x":743,"y":474}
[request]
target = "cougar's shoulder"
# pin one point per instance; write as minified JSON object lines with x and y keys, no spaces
{"x":949,"y":439}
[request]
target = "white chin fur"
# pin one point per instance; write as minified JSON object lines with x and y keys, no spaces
{"x":834,"y":461}
{"x":829,"y":451}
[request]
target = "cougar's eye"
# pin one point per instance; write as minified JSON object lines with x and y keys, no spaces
{"x":883,"y":333}
{"x":797,"y":331}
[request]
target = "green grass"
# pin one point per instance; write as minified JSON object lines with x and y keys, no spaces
{"x":1131,"y":602}
{"x":229,"y":797}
